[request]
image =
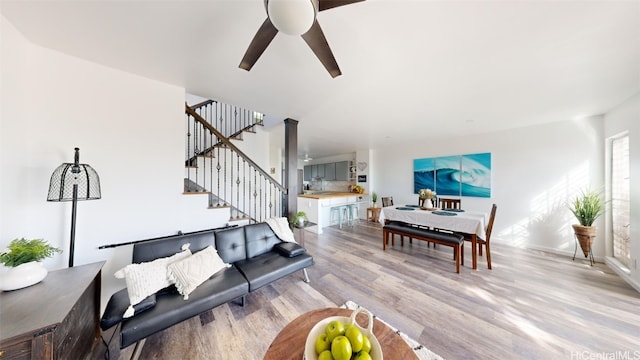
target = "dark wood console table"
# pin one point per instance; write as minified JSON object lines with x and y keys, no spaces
{"x":57,"y":318}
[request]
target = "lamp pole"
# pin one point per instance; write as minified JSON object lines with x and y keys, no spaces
{"x":74,"y":205}
{"x":75,"y":170}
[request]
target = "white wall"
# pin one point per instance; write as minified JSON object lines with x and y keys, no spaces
{"x":626,"y":118}
{"x":535,"y":171}
{"x":129,"y":128}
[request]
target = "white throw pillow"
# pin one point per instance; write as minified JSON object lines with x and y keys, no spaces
{"x":145,"y":279}
{"x":189,"y":273}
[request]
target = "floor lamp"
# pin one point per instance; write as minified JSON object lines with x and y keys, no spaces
{"x":73,"y":182}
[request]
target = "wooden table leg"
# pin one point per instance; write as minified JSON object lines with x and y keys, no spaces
{"x":474,"y":257}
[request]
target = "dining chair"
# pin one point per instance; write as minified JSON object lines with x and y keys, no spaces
{"x":486,"y":242}
{"x":387,"y":201}
{"x":444,"y":203}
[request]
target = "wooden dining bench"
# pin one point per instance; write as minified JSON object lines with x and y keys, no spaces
{"x":456,"y":241}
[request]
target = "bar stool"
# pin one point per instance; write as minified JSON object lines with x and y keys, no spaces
{"x":353,"y":213}
{"x":341,"y":211}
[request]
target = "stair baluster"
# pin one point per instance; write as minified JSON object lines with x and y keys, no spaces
{"x":254,"y":200}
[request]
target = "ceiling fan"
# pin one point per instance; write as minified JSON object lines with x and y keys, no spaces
{"x":295,"y":17}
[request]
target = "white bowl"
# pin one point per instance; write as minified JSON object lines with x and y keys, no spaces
{"x":319,"y":328}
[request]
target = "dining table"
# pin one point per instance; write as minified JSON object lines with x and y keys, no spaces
{"x":471,"y":223}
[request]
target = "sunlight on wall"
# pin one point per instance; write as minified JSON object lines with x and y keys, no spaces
{"x":549,"y":222}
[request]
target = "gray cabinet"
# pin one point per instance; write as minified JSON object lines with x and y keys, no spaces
{"x":330,"y":171}
{"x":342,"y":171}
{"x":307,"y":173}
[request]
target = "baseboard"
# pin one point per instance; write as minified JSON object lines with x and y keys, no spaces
{"x":579,"y":254}
{"x":622,"y":271}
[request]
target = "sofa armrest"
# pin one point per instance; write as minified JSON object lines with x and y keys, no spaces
{"x":118,"y":304}
{"x":289,"y":249}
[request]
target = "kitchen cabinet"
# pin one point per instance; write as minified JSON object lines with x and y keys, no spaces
{"x":318,"y":207}
{"x":342,"y":171}
{"x":330,"y":171}
{"x":336,"y":171}
{"x":307,"y":173}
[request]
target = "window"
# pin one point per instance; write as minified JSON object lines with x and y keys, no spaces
{"x":620,"y":199}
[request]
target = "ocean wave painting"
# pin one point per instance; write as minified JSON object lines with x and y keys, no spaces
{"x":457,"y":175}
{"x":475,"y":175}
{"x":448,"y":175}
{"x":423,"y":174}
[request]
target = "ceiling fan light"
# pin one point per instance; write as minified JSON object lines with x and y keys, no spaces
{"x":292,"y":17}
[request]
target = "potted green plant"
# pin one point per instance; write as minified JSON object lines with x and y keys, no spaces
{"x":586,"y":207}
{"x":374,"y":198}
{"x":300,"y":218}
{"x":24,"y":258}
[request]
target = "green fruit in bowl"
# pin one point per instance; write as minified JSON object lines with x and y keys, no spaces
{"x":334,"y":328}
{"x":325,"y":355}
{"x":322,"y":343}
{"x":341,"y":348}
{"x":362,"y":356}
{"x":347,"y":326}
{"x":366,"y":345}
{"x":355,"y":338}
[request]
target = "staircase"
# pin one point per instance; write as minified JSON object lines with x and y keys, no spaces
{"x":216,"y":167}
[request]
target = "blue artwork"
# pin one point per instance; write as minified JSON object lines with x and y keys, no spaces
{"x":457,"y":175}
{"x":448,"y":175}
{"x":476,"y":175}
{"x":423,"y":174}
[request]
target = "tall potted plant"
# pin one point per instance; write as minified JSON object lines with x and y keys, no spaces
{"x":374,"y":198}
{"x":586,"y":207}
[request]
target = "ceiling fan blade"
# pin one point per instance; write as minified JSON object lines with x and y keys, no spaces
{"x":318,"y":43}
{"x":330,"y":4}
{"x":260,"y":41}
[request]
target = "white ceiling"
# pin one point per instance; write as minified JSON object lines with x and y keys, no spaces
{"x":411,"y":69}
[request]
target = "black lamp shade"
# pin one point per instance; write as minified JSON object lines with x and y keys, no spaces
{"x":67,"y":175}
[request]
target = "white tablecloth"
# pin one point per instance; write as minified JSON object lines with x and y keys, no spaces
{"x":469,"y":222}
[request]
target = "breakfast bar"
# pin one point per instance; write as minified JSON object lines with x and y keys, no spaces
{"x":318,"y":207}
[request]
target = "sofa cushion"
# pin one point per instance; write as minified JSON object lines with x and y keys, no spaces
{"x":118,"y":303}
{"x":145,"y":279}
{"x":169,"y":245}
{"x":289,"y":249}
{"x":230,"y":244}
{"x":260,"y":239}
{"x":263,"y":269}
{"x":192,"y":271}
{"x":170,"y":309}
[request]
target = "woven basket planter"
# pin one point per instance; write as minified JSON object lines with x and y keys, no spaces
{"x":585,"y":236}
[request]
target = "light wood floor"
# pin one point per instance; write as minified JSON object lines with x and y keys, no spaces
{"x":532,"y":305}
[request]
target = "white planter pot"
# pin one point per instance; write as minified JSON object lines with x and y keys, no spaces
{"x":23,"y":275}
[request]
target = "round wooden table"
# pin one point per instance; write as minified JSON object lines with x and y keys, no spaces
{"x":289,"y":344}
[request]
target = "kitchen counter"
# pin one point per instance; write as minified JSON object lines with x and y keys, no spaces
{"x":329,"y":195}
{"x":318,"y":206}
